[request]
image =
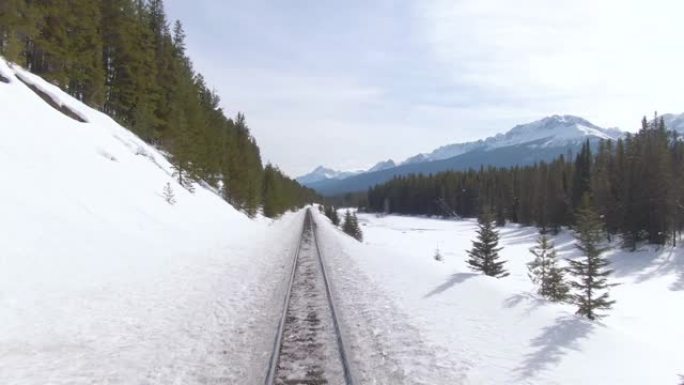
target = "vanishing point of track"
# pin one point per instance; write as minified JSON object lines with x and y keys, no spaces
{"x":308,"y":349}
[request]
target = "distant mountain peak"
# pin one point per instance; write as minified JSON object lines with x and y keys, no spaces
{"x":321,"y":173}
{"x":551,"y":131}
{"x":322,"y":169}
{"x":384,"y":165}
{"x":541,"y":139}
{"x":555,"y":130}
{"x":674,"y":122}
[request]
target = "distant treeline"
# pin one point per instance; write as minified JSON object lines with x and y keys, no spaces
{"x":636,"y":184}
{"x":123,"y":58}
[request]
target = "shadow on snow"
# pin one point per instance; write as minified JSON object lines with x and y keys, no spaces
{"x":453,"y":280}
{"x":648,"y":263}
{"x":516,"y":299}
{"x":553,"y":343}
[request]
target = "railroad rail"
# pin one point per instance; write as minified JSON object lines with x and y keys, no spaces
{"x":308,"y":347}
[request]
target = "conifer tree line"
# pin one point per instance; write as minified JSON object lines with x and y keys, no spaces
{"x":331,"y":213}
{"x":635,"y":185}
{"x":124,"y":58}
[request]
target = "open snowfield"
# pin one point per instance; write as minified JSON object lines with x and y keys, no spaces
{"x":438,"y":323}
{"x":104,"y":282}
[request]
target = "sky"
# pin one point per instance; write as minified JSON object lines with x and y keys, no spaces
{"x":348,"y":84}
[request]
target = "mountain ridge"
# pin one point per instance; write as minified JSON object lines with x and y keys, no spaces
{"x":542,"y":139}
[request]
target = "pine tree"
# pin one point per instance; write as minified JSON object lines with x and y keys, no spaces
{"x":582,"y":180}
{"x":348,"y":225}
{"x":351,"y":226}
{"x":358,"y":234}
{"x":271,"y":193}
{"x":169,"y":196}
{"x":13,"y":29}
{"x":438,"y":255}
{"x":484,"y":256}
{"x":591,"y":270}
{"x":544,"y":271}
{"x":334,"y":217}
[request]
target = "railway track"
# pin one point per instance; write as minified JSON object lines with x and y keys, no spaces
{"x":308,"y":349}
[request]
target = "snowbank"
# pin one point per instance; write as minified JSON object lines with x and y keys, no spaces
{"x":441,"y":324}
{"x":102,"y":280}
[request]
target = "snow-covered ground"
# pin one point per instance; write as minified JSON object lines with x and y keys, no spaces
{"x":104,"y":282}
{"x":416,"y":320}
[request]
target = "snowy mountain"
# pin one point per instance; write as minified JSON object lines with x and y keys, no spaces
{"x":416,"y":159}
{"x":321,"y":173}
{"x":382,"y":166}
{"x":674,"y":122}
{"x":553,"y":131}
{"x":544,"y":139}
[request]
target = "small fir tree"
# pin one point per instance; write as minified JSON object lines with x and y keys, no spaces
{"x":438,"y":255}
{"x":358,"y":234}
{"x":351,"y":226}
{"x":484,"y":256}
{"x":544,"y":271}
{"x":348,"y":225}
{"x":591,"y":270}
{"x":169,"y":196}
{"x":331,"y":213}
{"x":334,"y":217}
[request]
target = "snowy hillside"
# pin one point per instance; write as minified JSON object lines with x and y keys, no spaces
{"x":101,"y":279}
{"x":439,"y":323}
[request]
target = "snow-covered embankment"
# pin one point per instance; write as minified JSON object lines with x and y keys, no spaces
{"x":101,"y":279}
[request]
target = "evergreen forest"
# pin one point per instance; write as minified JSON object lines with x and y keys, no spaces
{"x":124,"y":58}
{"x":635,"y":184}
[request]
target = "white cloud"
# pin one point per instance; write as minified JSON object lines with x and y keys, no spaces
{"x":608,"y":59}
{"x":348,"y":84}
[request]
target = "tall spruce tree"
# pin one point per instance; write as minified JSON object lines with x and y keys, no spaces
{"x":545,"y":272}
{"x":19,"y":26}
{"x":271,"y":194}
{"x":591,"y":269}
{"x":331,"y":213}
{"x":358,"y":234}
{"x":582,"y":181}
{"x":484,"y":256}
{"x":348,"y":224}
